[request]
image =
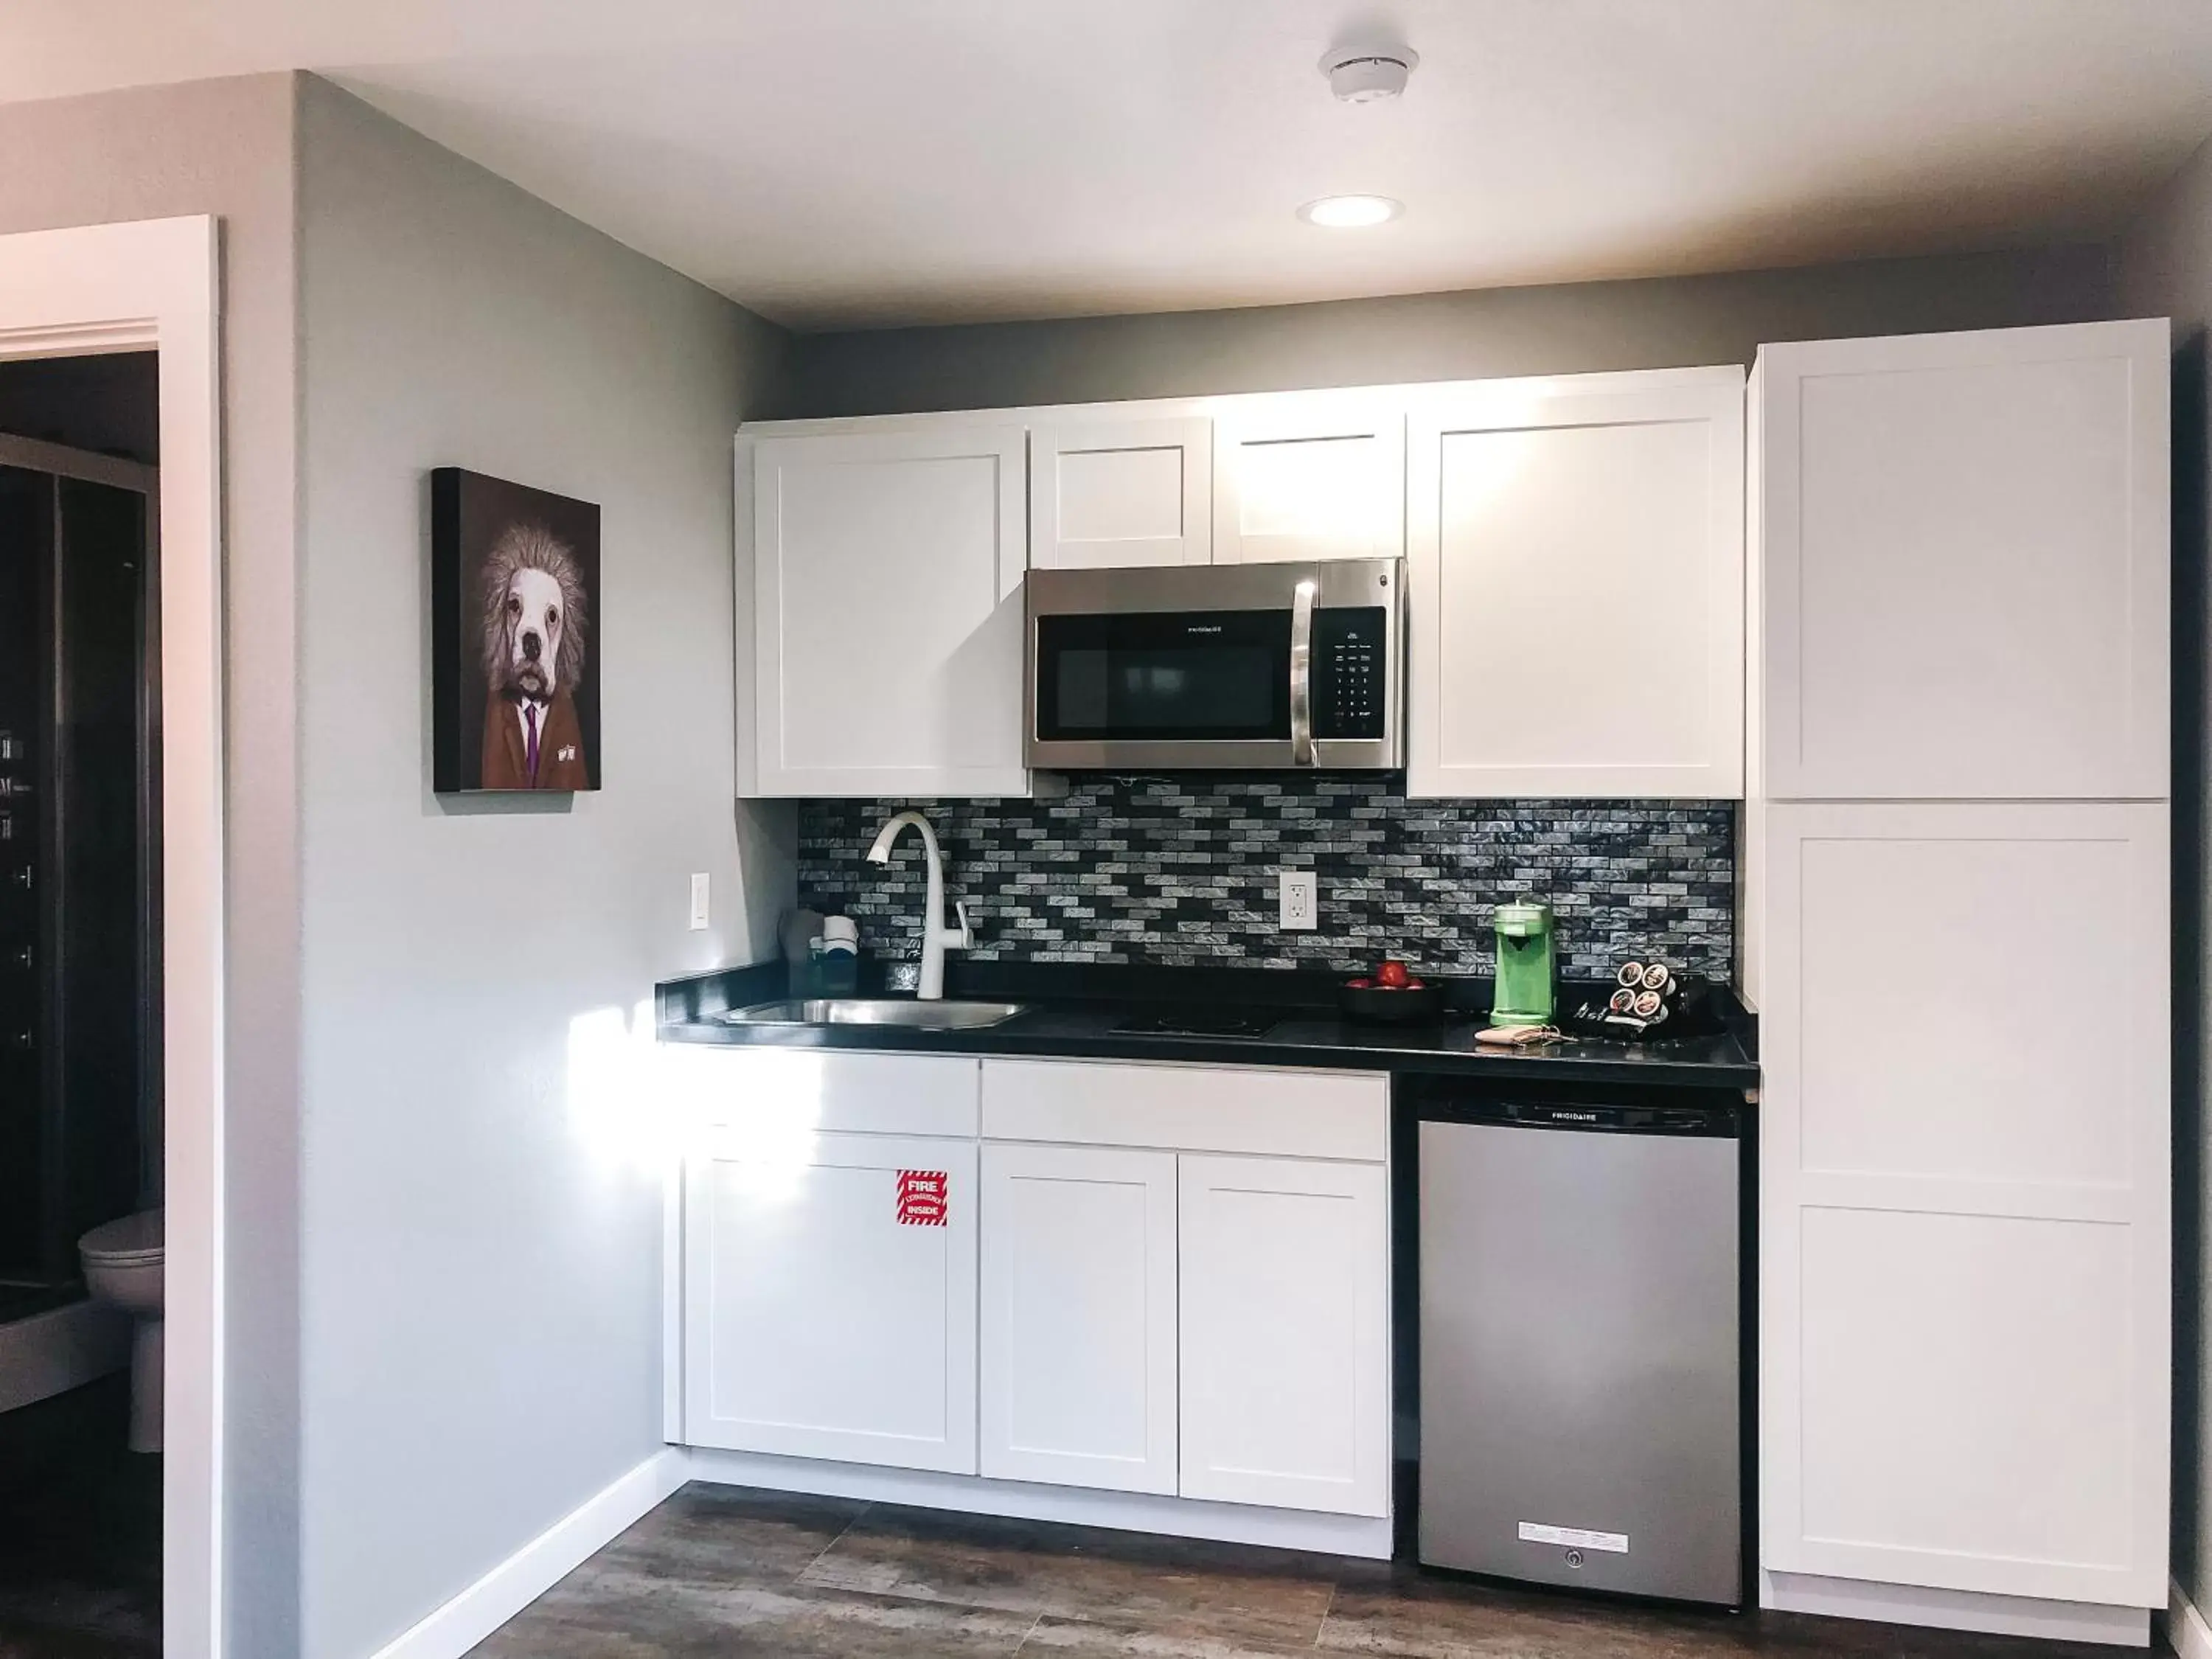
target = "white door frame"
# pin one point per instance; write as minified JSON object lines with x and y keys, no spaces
{"x":152,"y":285}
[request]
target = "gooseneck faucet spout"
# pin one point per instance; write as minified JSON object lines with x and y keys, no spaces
{"x":935,"y":935}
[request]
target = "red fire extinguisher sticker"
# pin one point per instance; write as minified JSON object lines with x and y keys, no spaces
{"x":921,"y":1197}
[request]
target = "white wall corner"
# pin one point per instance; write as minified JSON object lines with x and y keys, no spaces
{"x":2186,"y":1632}
{"x":515,"y":1582}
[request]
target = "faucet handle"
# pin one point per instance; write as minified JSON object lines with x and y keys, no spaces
{"x":966,"y":931}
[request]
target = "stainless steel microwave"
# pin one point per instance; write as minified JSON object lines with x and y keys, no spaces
{"x":1234,"y":666}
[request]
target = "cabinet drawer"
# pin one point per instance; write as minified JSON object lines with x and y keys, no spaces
{"x":795,"y":1090}
{"x":1210,"y":1109}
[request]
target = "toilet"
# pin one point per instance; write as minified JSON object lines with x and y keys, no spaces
{"x":123,"y":1268}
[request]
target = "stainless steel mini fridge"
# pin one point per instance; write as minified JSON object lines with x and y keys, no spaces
{"x":1580,"y":1405}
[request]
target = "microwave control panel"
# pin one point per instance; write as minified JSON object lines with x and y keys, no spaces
{"x":1350,"y":671}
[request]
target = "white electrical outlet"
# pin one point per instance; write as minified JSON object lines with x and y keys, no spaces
{"x":1301,"y":901}
{"x":698,"y":901}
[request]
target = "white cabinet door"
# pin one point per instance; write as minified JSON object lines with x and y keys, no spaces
{"x":1965,"y":1211}
{"x":887,"y":575}
{"x":1576,"y":554}
{"x":1078,"y":1372}
{"x":1285,"y":1333}
{"x":1107,"y":492}
{"x":829,"y":1310}
{"x":1966,"y":554}
{"x":1310,"y":475}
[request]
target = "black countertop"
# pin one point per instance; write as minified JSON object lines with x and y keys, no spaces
{"x":1073,"y":1009}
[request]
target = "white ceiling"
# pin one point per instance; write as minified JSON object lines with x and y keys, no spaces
{"x":860,"y":162}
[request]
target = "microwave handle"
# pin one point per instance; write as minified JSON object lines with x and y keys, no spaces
{"x":1302,"y":737}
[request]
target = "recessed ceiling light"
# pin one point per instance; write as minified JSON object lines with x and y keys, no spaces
{"x":1351,"y":212}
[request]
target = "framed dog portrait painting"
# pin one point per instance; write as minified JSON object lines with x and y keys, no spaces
{"x":514,"y":589}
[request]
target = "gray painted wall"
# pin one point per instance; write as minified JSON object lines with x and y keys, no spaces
{"x":482,"y":1294}
{"x":1658,"y":324}
{"x":225,"y":148}
{"x":2165,"y":270}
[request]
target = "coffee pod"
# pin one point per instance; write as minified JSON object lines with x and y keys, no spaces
{"x":1630,"y":975}
{"x":1656,"y":975}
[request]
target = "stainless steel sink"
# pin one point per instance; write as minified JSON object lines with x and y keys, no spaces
{"x":914,"y":1016}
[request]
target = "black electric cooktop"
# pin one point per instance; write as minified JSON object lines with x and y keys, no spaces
{"x":1202,"y":1021}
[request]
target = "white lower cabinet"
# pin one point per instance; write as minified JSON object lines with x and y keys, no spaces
{"x":1167,"y":1280}
{"x":1285,"y":1333}
{"x":1964,"y":1251}
{"x":1078,"y":1371}
{"x":829,"y":1306}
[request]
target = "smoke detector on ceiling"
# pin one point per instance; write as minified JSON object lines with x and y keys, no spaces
{"x":1368,"y":75}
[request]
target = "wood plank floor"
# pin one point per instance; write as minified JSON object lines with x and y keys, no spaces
{"x":727,"y":1572}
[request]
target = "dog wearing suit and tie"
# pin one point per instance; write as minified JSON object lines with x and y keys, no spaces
{"x":535,"y":625}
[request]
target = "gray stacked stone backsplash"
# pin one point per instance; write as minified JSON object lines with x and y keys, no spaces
{"x":1184,"y":872}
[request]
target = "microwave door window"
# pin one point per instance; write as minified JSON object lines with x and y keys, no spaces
{"x":1168,"y":692}
{"x":1169,"y":676}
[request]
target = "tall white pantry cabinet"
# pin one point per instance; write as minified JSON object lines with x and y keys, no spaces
{"x":1956,"y":933}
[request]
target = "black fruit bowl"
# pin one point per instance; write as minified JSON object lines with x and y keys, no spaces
{"x":1374,"y":1004}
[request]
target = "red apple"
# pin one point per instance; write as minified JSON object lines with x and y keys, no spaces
{"x":1392,"y":975}
{"x":1415,"y":984}
{"x":1363,"y":983}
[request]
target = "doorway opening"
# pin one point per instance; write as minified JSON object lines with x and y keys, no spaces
{"x":81,"y":1053}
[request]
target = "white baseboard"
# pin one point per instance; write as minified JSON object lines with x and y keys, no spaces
{"x":1174,"y":1517}
{"x":2186,"y":1632}
{"x":63,"y":1348}
{"x":527,"y":1574}
{"x":1948,"y":1609}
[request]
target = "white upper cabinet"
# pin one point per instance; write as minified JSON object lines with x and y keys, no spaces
{"x":1106,"y":492}
{"x":1966,"y":565}
{"x":1576,"y":559}
{"x":885,"y":579}
{"x":1079,"y":1369}
{"x":1310,"y":475}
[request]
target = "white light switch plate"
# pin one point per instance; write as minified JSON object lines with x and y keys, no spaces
{"x":698,"y":901}
{"x":1301,"y":901}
